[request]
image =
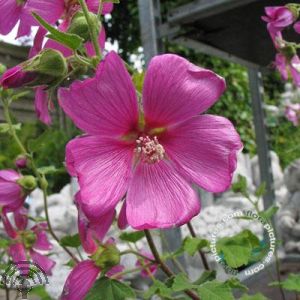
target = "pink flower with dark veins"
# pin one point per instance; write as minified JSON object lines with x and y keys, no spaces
{"x":152,"y":154}
{"x":28,"y":242}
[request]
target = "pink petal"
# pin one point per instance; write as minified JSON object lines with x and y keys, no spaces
{"x":115,"y":270}
{"x":103,"y":167}
{"x":92,"y":232}
{"x":158,"y":197}
{"x":21,"y":218}
{"x":142,"y":262}
{"x":10,"y":13}
{"x":11,"y":232}
{"x":18,"y":255}
{"x":295,"y":70}
{"x":75,"y":287}
{"x":43,"y":261}
{"x":122,"y":220}
{"x":297,"y":27}
{"x":105,"y":104}
{"x":93,"y":6}
{"x":10,"y":192}
{"x":41,"y":105}
{"x":176,"y":90}
{"x":38,"y":42}
{"x":204,"y":149}
{"x":280,"y":63}
{"x":42,"y":241}
{"x":101,"y":39}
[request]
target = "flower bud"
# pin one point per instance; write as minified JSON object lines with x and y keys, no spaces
{"x":28,"y":183}
{"x":288,"y":51}
{"x":45,"y":68}
{"x":106,"y":257}
{"x":21,"y":162}
{"x":294,"y":9}
{"x":80,"y":26}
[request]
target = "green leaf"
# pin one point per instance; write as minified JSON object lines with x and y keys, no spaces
{"x":41,"y":292}
{"x":258,"y":296}
{"x":181,"y":283}
{"x":4,"y":243}
{"x":237,"y":249}
{"x":206,"y":276}
{"x":261,"y":190}
{"x":132,"y":237}
{"x":71,"y":263}
{"x":269,"y":213}
{"x":4,"y":127}
{"x":234,"y":283}
{"x":110,"y":289}
{"x":292,"y":283}
{"x":214,"y":290}
{"x":241,"y":185}
{"x":70,"y":40}
{"x":71,"y":241}
{"x":192,"y":245}
{"x":160,"y":289}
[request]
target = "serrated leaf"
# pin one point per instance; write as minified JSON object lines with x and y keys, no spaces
{"x":237,"y":249}
{"x":71,"y":241}
{"x":292,"y":283}
{"x":241,"y":185}
{"x":206,"y":276}
{"x":234,"y":283}
{"x":4,"y":127}
{"x":69,"y":40}
{"x":214,"y":290}
{"x":192,"y":245}
{"x":258,"y":296}
{"x":110,"y":289}
{"x":132,"y":237}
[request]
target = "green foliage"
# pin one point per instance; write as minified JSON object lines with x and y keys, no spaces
{"x":292,"y":283}
{"x":215,"y":290}
{"x":71,"y":241}
{"x":258,"y":296}
{"x":110,"y":289}
{"x":4,"y":127}
{"x":234,"y":283}
{"x":240,"y":186}
{"x":237,"y":250}
{"x":206,"y":276}
{"x":192,"y":245}
{"x":41,"y":292}
{"x":132,"y":237}
{"x":269,"y":213}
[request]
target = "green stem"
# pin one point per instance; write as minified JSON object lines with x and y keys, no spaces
{"x":202,"y":255}
{"x":92,"y":29}
{"x":137,"y":254}
{"x":137,"y":269}
{"x":162,"y":264}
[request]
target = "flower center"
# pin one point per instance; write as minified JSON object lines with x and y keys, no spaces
{"x":149,"y":149}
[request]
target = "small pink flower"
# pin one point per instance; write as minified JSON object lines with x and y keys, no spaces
{"x":144,"y":262}
{"x":12,"y":196}
{"x":75,"y":287}
{"x":286,"y":67}
{"x":292,"y":113}
{"x":277,"y":17}
{"x":153,"y":156}
{"x":27,"y":243}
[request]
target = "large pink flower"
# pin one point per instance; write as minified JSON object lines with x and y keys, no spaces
{"x":28,"y":243}
{"x":154,"y":156}
{"x":12,"y":196}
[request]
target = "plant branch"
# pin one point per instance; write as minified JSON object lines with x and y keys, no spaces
{"x":162,"y":264}
{"x":202,"y":255}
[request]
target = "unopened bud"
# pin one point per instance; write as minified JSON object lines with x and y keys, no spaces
{"x":106,"y":257}
{"x":294,"y":9}
{"x":21,"y":162}
{"x":80,"y":26}
{"x":288,"y":51}
{"x":28,"y":183}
